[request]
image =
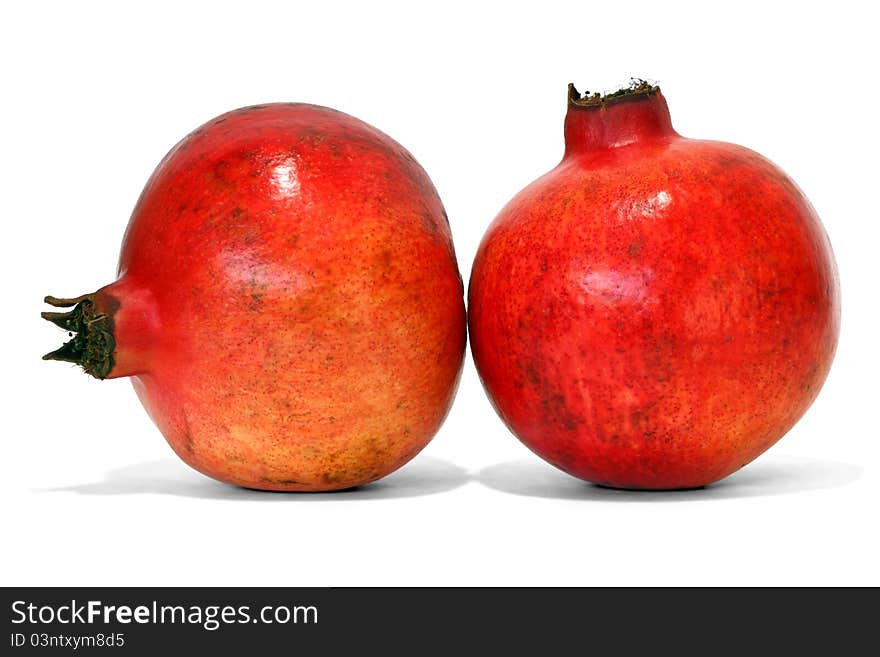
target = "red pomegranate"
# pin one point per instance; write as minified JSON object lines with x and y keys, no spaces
{"x":656,"y":311}
{"x":288,"y":303}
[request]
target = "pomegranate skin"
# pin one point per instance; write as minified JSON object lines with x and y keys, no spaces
{"x":289,"y":302}
{"x":656,"y":311}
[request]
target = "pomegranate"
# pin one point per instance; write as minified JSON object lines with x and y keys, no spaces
{"x":656,"y":311}
{"x":288,"y":302}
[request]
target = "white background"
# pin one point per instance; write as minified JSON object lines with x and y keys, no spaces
{"x":94,"y":95}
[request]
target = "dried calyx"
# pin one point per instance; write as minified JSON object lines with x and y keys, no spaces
{"x":92,"y":342}
{"x":637,"y":87}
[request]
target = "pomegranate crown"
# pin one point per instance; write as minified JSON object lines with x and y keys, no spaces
{"x":636,"y":87}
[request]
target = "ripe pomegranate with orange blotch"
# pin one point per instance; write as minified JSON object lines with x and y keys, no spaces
{"x":656,"y":311}
{"x":288,"y":303}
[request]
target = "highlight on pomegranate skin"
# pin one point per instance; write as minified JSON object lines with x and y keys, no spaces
{"x":656,"y":311}
{"x":288,"y":303}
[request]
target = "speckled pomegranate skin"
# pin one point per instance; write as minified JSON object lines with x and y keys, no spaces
{"x":656,"y":311}
{"x":290,"y":306}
